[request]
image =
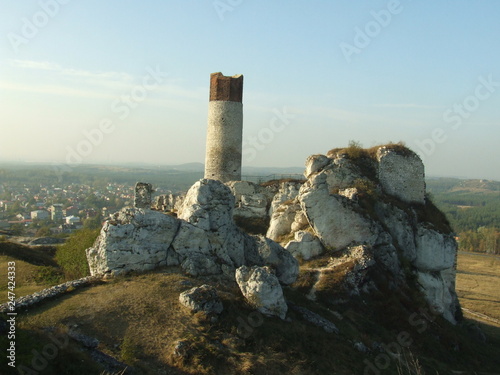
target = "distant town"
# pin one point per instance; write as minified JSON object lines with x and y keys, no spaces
{"x":49,"y":210}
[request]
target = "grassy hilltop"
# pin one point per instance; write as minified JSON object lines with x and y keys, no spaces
{"x":139,"y":321}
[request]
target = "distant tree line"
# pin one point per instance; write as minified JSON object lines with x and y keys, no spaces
{"x":482,"y":240}
{"x":475,"y":217}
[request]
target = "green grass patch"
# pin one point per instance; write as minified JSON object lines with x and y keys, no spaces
{"x":71,"y":255}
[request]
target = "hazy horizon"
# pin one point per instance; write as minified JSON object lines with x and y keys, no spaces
{"x":125,"y":82}
{"x":289,"y":169}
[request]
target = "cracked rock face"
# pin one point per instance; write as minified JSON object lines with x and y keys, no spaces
{"x":135,"y":239}
{"x":333,"y":209}
{"x":334,"y":218}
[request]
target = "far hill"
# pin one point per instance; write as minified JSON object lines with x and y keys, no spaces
{"x":451,"y":185}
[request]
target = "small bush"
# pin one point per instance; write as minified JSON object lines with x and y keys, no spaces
{"x":48,"y":275}
{"x":366,"y":188}
{"x":43,"y":232}
{"x":71,"y":256}
{"x":355,"y":150}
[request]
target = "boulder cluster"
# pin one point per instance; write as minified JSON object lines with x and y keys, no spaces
{"x":203,"y":240}
{"x":364,"y":208}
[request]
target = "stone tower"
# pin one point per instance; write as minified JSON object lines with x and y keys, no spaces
{"x":225,"y":128}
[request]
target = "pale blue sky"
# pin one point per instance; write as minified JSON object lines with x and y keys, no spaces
{"x":316,"y":75}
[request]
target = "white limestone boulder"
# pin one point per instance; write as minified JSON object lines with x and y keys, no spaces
{"x":281,"y":220}
{"x":209,"y":205}
{"x":341,"y":173}
{"x":401,"y":174}
{"x":135,"y":239}
{"x":287,"y":192}
{"x":262,"y":290}
{"x":251,"y":200}
{"x":305,"y":246}
{"x":299,"y":222}
{"x":272,"y":254}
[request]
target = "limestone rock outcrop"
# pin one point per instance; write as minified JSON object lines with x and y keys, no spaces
{"x":287,"y":192}
{"x":366,"y":209}
{"x":372,"y":200}
{"x":203,"y":239}
{"x":134,"y":239}
{"x":262,"y":290}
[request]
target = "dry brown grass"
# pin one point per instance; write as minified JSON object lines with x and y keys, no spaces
{"x":478,"y":284}
{"x":355,"y":150}
{"x":138,"y":318}
{"x":280,"y":181}
{"x":135,"y":307}
{"x":143,"y":310}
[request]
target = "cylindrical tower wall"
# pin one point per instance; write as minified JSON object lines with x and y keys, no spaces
{"x":224,"y":140}
{"x":225,"y":128}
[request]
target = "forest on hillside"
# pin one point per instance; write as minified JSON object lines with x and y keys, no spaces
{"x":473,"y":209}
